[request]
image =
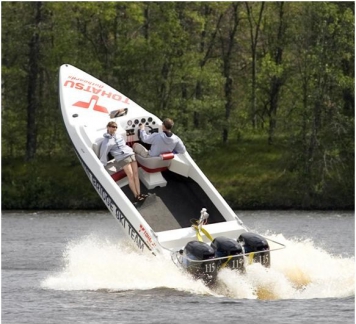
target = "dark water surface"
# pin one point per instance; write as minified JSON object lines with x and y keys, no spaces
{"x":76,"y":267}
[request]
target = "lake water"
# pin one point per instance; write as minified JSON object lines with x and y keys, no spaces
{"x":76,"y":267}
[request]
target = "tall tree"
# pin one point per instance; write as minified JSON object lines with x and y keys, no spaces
{"x":320,"y":52}
{"x":206,"y":45}
{"x":254,"y":28}
{"x":33,"y":72}
{"x":276,"y":73}
{"x":228,"y":43}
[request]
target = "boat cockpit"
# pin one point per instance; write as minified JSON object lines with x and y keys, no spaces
{"x":150,"y":169}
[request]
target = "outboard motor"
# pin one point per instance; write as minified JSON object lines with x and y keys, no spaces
{"x":195,"y":259}
{"x":225,"y":247}
{"x":256,"y":244}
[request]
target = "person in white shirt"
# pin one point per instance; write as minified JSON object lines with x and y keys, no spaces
{"x":124,"y":158}
{"x":162,"y":142}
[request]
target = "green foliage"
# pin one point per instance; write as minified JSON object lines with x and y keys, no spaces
{"x":253,"y":175}
{"x":171,"y":58}
{"x":249,"y":174}
{"x":47,"y":184}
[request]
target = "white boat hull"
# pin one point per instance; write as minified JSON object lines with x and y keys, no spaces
{"x":162,"y":224}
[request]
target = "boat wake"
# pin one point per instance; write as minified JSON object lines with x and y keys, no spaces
{"x":301,"y":271}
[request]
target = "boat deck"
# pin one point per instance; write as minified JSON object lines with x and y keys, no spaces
{"x":177,"y":205}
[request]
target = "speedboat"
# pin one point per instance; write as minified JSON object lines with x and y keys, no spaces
{"x":184,"y":218}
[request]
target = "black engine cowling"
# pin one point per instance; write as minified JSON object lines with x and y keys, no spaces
{"x":225,"y":247}
{"x":195,"y":259}
{"x":255,"y":245}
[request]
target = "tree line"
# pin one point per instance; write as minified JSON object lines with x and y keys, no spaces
{"x":224,"y":71}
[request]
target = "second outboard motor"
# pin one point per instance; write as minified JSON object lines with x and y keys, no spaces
{"x":195,"y":259}
{"x":256,"y":244}
{"x":225,"y":247}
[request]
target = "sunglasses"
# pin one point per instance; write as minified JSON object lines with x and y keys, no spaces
{"x":113,"y":126}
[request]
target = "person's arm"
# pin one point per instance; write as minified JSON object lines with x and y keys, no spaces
{"x":180,"y":147}
{"x":145,"y":137}
{"x":120,"y":141}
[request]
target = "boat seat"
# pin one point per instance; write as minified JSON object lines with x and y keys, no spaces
{"x":155,"y":164}
{"x":151,"y":167}
{"x":116,"y":175}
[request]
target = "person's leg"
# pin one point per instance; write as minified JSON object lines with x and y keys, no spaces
{"x":135,"y":176}
{"x":130,"y":176}
{"x":140,"y":150}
